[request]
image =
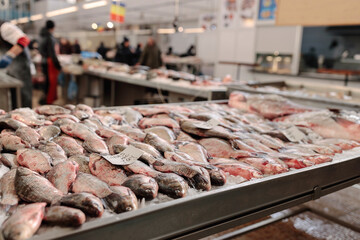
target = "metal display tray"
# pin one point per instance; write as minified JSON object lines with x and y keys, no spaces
{"x":321,"y":102}
{"x":222,"y":208}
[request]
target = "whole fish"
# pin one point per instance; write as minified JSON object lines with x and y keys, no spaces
{"x":84,"y":108}
{"x":112,"y":113}
{"x":237,"y":168}
{"x":63,"y":175}
{"x":344,"y":144}
{"x":51,"y":110}
{"x":31,"y":187}
{"x":70,"y":106}
{"x":63,"y":121}
{"x":116,"y":140}
{"x":189,"y":126}
{"x":88,"y":183}
{"x":217,"y":176}
{"x":162,"y":132}
{"x":196,"y":175}
{"x":152,"y":122}
{"x":131,"y":116}
{"x":80,"y":114}
{"x":268,"y":106}
{"x":158,"y":143}
{"x":326,"y":124}
{"x":95,"y":145}
{"x":217,"y":147}
{"x":8,"y":194}
{"x":107,"y":132}
{"x":78,"y":130}
{"x":28,"y":135}
{"x":86,"y":202}
{"x":90,"y":124}
{"x":266,"y":165}
{"x":48,"y":133}
{"x":267,"y":140}
{"x":12,"y":143}
{"x":69,"y":145}
{"x":9,"y":160}
{"x":24,"y":222}
{"x":184,"y":137}
{"x":27,"y":117}
{"x":259,"y":147}
{"x":3,"y":170}
{"x":9,"y":123}
{"x":142,"y":186}
{"x":56,"y":153}
{"x":147,"y":148}
{"x":106,"y":171}
{"x":55,"y":118}
{"x":172,"y":185}
{"x":131,"y":132}
{"x":82,"y":161}
{"x":149,"y":111}
{"x":34,"y":159}
{"x":64,"y":216}
{"x":121,"y":200}
{"x":194,"y":150}
{"x":169,"y":183}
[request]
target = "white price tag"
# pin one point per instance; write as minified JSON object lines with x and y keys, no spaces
{"x":126,"y":157}
{"x":207,"y":125}
{"x":293,"y":134}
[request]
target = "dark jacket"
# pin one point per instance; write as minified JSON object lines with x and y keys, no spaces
{"x":47,"y":47}
{"x":76,"y":48}
{"x":151,"y":57}
{"x":124,"y":55}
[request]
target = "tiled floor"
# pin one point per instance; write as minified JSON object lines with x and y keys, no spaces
{"x":335,"y":216}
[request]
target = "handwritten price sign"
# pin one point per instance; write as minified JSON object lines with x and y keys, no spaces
{"x":294,"y":134}
{"x":126,"y":157}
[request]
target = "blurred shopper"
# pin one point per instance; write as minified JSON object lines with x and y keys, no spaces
{"x":76,"y":48}
{"x":15,"y":57}
{"x":65,"y":46}
{"x":124,"y":53}
{"x":137,"y":53}
{"x":151,"y":56}
{"x":50,"y":63}
{"x":102,"y":50}
{"x":169,"y":51}
{"x":190,"y":52}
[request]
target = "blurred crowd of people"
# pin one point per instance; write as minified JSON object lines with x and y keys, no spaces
{"x":149,"y":56}
{"x":16,"y":57}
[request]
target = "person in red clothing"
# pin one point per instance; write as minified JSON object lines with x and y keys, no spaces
{"x":50,"y":63}
{"x":15,"y":57}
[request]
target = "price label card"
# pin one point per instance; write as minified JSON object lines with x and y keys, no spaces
{"x":293,"y":134}
{"x":207,"y":125}
{"x":126,"y":157}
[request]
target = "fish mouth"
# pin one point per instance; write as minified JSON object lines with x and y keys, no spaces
{"x":200,"y":183}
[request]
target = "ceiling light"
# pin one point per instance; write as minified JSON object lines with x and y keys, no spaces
{"x":23,"y":20}
{"x":94,"y":26}
{"x":194,"y":30}
{"x":61,"y":11}
{"x":180,"y":29}
{"x":166,"y":31}
{"x":110,"y":25}
{"x":94,"y":4}
{"x":36,"y":17}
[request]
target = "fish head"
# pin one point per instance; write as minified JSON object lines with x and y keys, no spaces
{"x":217,"y":176}
{"x":172,"y":184}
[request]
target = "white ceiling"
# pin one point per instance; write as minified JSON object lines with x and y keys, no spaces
{"x":144,"y":12}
